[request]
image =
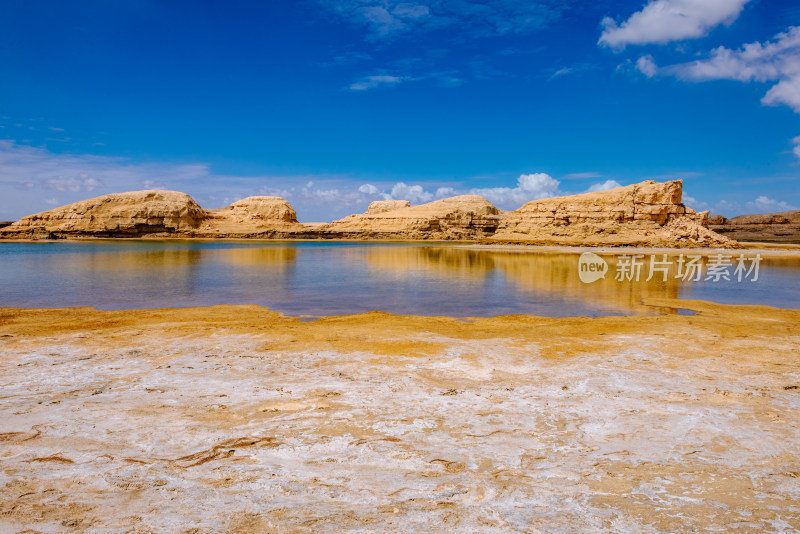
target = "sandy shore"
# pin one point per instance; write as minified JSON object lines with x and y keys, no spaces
{"x":238,"y":419}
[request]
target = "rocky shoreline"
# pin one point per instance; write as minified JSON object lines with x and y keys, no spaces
{"x":644,"y":214}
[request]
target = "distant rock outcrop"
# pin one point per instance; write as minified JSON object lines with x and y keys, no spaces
{"x":783,"y":227}
{"x":266,"y":217}
{"x":261,"y":208}
{"x":120,"y":214}
{"x":644,"y":214}
{"x":464,"y":217}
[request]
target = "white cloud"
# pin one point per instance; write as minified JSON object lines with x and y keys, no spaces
{"x":373,"y":82}
{"x":796,"y":149}
{"x":726,"y":208}
{"x":777,"y":60}
{"x":444,"y":192}
{"x":51,"y":201}
{"x":413,"y":193}
{"x":694,"y":203}
{"x":529,"y":187}
{"x":561,"y":72}
{"x":647,"y":66}
{"x":663,"y":21}
{"x":369,"y":189}
{"x":416,"y":194}
{"x":604,"y":186}
{"x":784,"y":92}
{"x":762,"y":204}
{"x":75,"y":184}
{"x":153,"y":184}
{"x":766,"y":204}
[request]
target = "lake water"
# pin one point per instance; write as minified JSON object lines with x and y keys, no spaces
{"x":327,"y":278}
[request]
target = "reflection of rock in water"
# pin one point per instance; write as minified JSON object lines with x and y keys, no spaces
{"x":133,"y":261}
{"x":273,"y":257}
{"x":443,"y":260}
{"x":537,"y":273}
{"x":558,"y":274}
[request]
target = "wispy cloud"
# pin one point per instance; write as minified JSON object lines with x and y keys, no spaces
{"x":74,"y":184}
{"x":572,"y":69}
{"x":349,"y":57}
{"x":561,"y":72}
{"x":761,"y":204}
{"x":765,"y":204}
{"x":386,"y":18}
{"x":796,"y":149}
{"x":603,"y":186}
{"x":441,"y":79}
{"x":582,"y":175}
{"x":373,"y":82}
{"x":663,"y":21}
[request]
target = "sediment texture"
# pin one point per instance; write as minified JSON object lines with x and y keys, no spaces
{"x":381,"y":206}
{"x":236,"y":419}
{"x":644,"y":214}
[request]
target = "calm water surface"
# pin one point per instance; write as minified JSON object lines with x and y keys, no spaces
{"x":325,"y":278}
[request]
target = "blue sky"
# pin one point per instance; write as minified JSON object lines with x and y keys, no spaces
{"x":335,"y":103}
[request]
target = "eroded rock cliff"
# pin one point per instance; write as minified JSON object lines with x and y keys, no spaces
{"x":644,"y":214}
{"x":462,"y":217}
{"x":783,"y":227}
{"x":120,"y":214}
{"x":262,"y":216}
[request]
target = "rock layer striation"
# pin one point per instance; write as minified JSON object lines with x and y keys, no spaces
{"x":464,"y":217}
{"x":120,"y":214}
{"x":643,"y":214}
{"x":783,"y":227}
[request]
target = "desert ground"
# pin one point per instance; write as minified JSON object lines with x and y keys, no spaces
{"x":240,"y":419}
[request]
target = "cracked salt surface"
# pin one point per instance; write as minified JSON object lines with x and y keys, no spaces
{"x":219,"y":435}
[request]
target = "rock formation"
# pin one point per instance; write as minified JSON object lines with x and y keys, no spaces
{"x":464,"y":217}
{"x":120,"y":214}
{"x":783,"y":227}
{"x":265,"y":217}
{"x":644,"y":214}
{"x":159,"y":213}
